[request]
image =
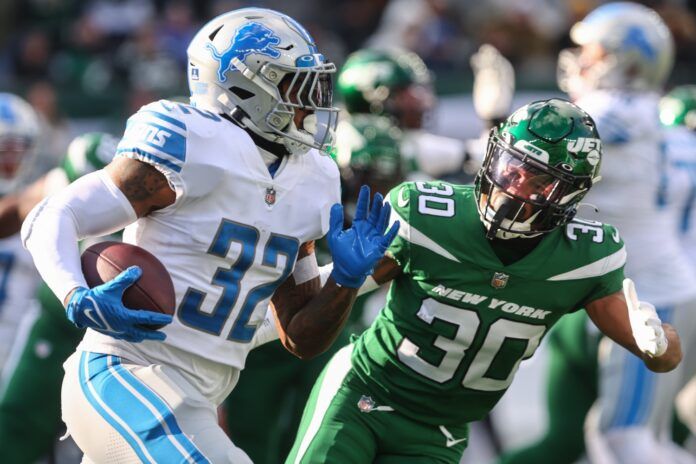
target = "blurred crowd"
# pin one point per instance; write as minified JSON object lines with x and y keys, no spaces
{"x":104,"y":59}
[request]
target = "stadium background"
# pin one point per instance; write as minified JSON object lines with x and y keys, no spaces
{"x":86,"y":65}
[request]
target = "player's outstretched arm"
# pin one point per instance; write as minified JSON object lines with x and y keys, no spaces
{"x":635,"y":325}
{"x":309,"y":318}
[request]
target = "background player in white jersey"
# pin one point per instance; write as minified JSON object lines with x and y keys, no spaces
{"x":624,"y":56}
{"x":19,"y":136}
{"x":228,"y":194}
{"x":678,"y":115}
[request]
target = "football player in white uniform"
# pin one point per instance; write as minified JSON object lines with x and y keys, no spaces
{"x":624,"y":55}
{"x":19,"y":136}
{"x":678,"y":115}
{"x":229,"y":193}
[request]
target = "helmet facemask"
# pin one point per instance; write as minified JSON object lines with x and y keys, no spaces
{"x":308,"y":89}
{"x":519,"y":196}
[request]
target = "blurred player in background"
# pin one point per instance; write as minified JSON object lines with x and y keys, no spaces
{"x":478,"y":275}
{"x":397,"y":84}
{"x":572,"y":381}
{"x":19,"y":137}
{"x":624,"y":56}
{"x":678,"y":115}
{"x":230,"y":194}
{"x":32,"y":385}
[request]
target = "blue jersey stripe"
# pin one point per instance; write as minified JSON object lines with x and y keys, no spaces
{"x":165,"y":118}
{"x":132,"y":412}
{"x":140,"y":153}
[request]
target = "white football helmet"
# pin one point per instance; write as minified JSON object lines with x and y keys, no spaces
{"x":259,"y":66}
{"x":636,"y":46}
{"x":19,"y":135}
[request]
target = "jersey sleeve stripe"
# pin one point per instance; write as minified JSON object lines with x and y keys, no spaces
{"x":165,"y":118}
{"x":416,"y":237}
{"x":598,"y":268}
{"x":148,"y":157}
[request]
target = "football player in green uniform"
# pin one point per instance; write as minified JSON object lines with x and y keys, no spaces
{"x":478,"y":276}
{"x":30,"y":401}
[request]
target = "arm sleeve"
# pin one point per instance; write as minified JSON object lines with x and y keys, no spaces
{"x":90,"y":207}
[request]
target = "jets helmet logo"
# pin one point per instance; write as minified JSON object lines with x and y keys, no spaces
{"x":250,"y":38}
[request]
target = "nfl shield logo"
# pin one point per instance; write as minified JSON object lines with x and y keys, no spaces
{"x":270,"y":196}
{"x":366,"y":404}
{"x":499,"y":280}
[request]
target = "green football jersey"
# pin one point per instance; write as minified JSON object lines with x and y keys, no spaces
{"x":458,"y":322}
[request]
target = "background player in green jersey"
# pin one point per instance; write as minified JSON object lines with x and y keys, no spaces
{"x":479,"y":274}
{"x":31,"y":386}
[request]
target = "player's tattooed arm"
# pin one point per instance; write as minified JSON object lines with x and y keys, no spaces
{"x":145,"y":187}
{"x":610,"y":315}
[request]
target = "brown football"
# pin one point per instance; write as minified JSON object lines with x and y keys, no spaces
{"x":154,"y":291}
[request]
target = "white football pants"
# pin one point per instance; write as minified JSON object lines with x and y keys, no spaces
{"x":633,"y":401}
{"x":118,"y":411}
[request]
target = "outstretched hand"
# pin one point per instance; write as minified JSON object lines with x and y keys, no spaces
{"x":356,"y":250}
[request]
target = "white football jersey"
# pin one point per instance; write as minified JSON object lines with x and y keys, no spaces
{"x":680,"y":184}
{"x":632,"y":195}
{"x":231,"y":237}
{"x":19,"y":281}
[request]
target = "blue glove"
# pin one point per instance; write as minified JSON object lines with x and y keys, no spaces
{"x":355,"y":251}
{"x":101,"y":308}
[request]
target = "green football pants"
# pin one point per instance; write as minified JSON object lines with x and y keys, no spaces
{"x":341,"y":424}
{"x":30,"y":405}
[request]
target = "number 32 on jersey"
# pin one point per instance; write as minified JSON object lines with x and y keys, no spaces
{"x":230,"y":279}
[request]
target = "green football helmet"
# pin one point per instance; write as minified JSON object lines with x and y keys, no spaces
{"x":539,"y":164}
{"x":88,"y":153}
{"x":678,"y":107}
{"x":396,"y":83}
{"x":369,"y":152}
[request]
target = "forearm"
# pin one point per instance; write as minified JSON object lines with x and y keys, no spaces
{"x":369,"y":284}
{"x":311,"y":329}
{"x":92,"y":206}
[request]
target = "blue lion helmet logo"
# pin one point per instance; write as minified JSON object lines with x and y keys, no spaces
{"x":250,"y":38}
{"x":635,"y":39}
